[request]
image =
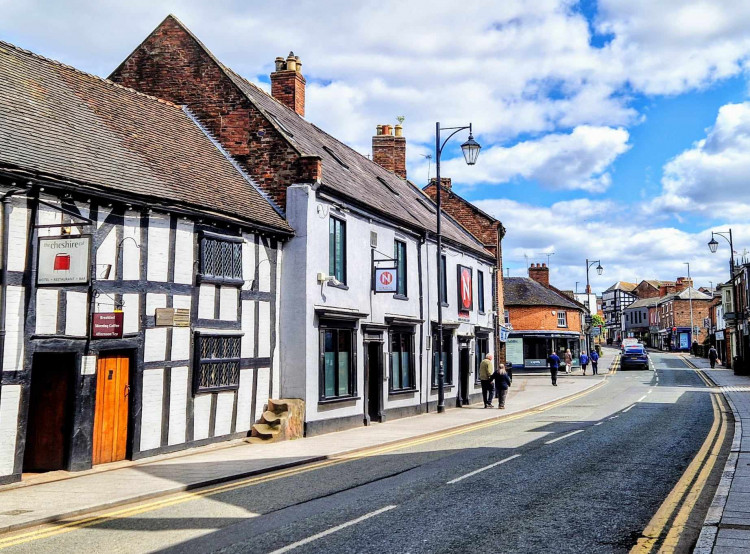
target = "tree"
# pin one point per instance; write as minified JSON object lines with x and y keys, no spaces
{"x":597,"y":320}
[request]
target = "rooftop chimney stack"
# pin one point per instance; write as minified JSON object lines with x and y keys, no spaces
{"x":446,"y":182}
{"x":539,"y":273}
{"x":389,"y":148}
{"x":288,"y":84}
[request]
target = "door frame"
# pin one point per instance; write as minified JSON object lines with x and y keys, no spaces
{"x":130,"y":354}
{"x":373,"y":336}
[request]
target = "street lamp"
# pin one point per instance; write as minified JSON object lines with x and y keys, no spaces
{"x":470,"y":150}
{"x":599,"y":270}
{"x":713,"y":246}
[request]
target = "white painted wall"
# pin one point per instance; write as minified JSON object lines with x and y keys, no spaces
{"x":151,"y":410}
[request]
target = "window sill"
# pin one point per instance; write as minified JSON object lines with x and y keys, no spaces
{"x":339,"y":399}
{"x":342,"y":286}
{"x":400,"y":297}
{"x":400,"y":392}
{"x":211,"y":280}
{"x":445,"y":387}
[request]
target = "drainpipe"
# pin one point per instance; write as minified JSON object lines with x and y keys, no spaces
{"x":6,"y":202}
{"x":422,"y":240}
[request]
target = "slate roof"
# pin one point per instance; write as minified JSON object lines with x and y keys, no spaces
{"x":622,"y":285}
{"x":61,"y":123}
{"x":347,"y":172}
{"x":523,"y":291}
{"x":643,"y":303}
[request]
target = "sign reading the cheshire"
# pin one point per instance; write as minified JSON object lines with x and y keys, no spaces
{"x":64,"y":260}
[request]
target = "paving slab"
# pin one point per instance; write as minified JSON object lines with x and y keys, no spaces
{"x":28,"y":504}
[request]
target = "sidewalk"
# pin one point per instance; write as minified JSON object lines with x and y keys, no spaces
{"x":33,"y":504}
{"x":727,"y":526}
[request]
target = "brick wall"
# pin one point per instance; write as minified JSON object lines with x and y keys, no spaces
{"x":681,"y":315}
{"x":645,"y":290}
{"x":540,"y":318}
{"x":171,"y":64}
{"x":288,"y":87}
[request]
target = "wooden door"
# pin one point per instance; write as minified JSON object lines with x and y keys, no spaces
{"x":111,"y":411}
{"x":50,"y":409}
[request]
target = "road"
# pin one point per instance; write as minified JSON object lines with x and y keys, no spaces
{"x":586,"y":476}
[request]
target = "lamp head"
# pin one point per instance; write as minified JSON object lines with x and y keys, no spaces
{"x":471,"y":149}
{"x":599,"y":269}
{"x":713,"y":245}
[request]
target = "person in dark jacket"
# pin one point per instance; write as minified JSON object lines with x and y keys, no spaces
{"x":554,"y":366}
{"x":502,"y":382}
{"x":594,"y":357}
{"x":584,"y":361}
{"x":485,"y":376}
{"x":713,"y":355}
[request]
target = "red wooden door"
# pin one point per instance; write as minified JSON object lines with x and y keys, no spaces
{"x":111,"y":412}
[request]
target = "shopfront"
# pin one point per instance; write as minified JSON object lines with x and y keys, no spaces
{"x":531,"y":349}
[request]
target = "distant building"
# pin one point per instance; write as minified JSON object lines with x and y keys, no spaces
{"x":674,"y":311}
{"x":614,"y":301}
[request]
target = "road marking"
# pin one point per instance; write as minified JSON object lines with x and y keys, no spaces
{"x":564,"y":436}
{"x":628,"y":408}
{"x":650,"y":391}
{"x":595,"y":424}
{"x":179,"y":498}
{"x":614,"y":417}
{"x":332,"y":530}
{"x":480,"y":470}
{"x":642,"y":398}
{"x":686,"y":491}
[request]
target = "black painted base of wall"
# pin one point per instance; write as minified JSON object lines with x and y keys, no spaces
{"x":186,"y":445}
{"x":320,"y":427}
{"x":8,"y":479}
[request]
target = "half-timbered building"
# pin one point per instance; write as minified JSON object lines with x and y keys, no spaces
{"x":139,"y":275}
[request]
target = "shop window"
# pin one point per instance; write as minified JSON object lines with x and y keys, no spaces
{"x":337,"y":249}
{"x":221,"y":259}
{"x":562,"y":319}
{"x":480,"y":291}
{"x":447,"y":358}
{"x":217,"y":362}
{"x":482,"y":349}
{"x":338,"y":367}
{"x":399,"y":254}
{"x":402,"y":360}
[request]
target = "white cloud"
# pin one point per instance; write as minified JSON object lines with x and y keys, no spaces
{"x":576,"y":160}
{"x":712,"y":176}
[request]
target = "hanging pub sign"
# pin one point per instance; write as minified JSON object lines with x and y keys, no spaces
{"x":465,"y":290}
{"x":504,"y":332}
{"x":106,"y":325}
{"x":64,"y":260}
{"x":386,"y":279}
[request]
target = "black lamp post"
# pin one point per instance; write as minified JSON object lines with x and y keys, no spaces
{"x":713,"y":246}
{"x":470,"y":149}
{"x":599,"y":270}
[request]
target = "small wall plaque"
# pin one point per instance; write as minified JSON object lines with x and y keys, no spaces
{"x":182,"y":317}
{"x":88,"y":365}
{"x":172,"y":317}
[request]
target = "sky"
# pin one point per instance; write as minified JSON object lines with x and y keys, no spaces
{"x":612,"y":130}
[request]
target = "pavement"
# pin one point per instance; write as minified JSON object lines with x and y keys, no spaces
{"x":726,"y":529}
{"x":46,"y":499}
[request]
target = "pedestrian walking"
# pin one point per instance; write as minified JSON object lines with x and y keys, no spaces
{"x":554,"y":364}
{"x":485,"y":377}
{"x":584,"y":361}
{"x":594,"y":357}
{"x":568,"y":361}
{"x":713,"y":355}
{"x":502,"y":382}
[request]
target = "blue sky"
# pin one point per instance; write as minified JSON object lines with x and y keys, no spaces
{"x":612,"y":129}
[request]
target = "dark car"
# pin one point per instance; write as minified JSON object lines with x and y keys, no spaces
{"x":634,"y":357}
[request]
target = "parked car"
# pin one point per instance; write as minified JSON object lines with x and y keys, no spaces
{"x":634,"y":357}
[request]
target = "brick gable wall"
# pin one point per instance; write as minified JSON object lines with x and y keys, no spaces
{"x":540,"y":318}
{"x":645,"y":290}
{"x":172,"y":65}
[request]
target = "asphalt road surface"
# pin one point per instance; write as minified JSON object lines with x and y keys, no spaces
{"x":586,"y":476}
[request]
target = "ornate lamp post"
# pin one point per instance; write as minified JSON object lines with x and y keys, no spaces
{"x":713,"y":246}
{"x":599,"y":270}
{"x":470,"y":149}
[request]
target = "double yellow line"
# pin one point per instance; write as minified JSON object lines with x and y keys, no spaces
{"x":681,"y":500}
{"x":179,"y":498}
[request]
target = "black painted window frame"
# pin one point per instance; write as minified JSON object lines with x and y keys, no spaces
{"x":397,"y":334}
{"x":444,"y":281}
{"x":399,"y":254}
{"x":223,"y":271}
{"x":480,"y":291}
{"x":202,"y":363}
{"x":336,"y":235}
{"x":337,"y":327}
{"x":448,"y":365}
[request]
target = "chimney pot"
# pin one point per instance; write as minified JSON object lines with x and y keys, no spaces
{"x":399,"y":130}
{"x":379,"y":130}
{"x":389,"y":151}
{"x":386,"y":129}
{"x":280,"y":63}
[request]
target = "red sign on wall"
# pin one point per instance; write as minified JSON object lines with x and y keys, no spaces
{"x":465,"y":289}
{"x":107,"y":326}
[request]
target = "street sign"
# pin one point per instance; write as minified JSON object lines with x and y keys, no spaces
{"x":596,"y":331}
{"x":386,"y":280}
{"x":588,"y":319}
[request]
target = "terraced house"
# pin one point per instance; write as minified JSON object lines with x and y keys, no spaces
{"x":356,"y":348}
{"x":140,"y":275}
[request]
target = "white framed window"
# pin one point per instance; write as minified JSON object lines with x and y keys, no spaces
{"x":562,"y":319}
{"x":507,"y":317}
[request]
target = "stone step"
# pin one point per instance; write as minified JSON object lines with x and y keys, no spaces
{"x":263,"y":430}
{"x":271,"y":417}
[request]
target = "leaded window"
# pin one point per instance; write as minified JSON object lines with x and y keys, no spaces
{"x":221,"y":258}
{"x":402,"y":359}
{"x":217,"y":362}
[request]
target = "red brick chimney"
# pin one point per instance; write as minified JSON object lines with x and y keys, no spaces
{"x":446,"y":181}
{"x":389,"y":149}
{"x":540,"y":273}
{"x":288,"y":84}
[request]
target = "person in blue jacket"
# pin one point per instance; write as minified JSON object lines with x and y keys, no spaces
{"x":554,"y":366}
{"x":584,"y":361}
{"x":594,"y":357}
